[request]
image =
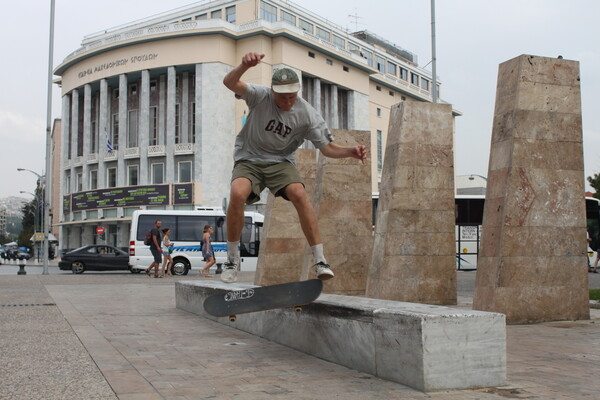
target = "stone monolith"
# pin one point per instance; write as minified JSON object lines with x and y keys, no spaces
{"x":414,"y":252}
{"x":532,"y":262}
{"x":340,"y":191}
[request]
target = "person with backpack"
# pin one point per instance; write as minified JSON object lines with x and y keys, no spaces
{"x":155,"y":248}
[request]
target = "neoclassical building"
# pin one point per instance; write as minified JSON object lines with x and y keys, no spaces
{"x":146,"y":121}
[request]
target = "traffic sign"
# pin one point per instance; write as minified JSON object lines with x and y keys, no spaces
{"x":99,"y":230}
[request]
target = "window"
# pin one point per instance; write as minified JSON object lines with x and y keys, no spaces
{"x":68,"y":182}
{"x":152,"y":86}
{"x":133,"y":89}
{"x":268,"y":12}
{"x":391,"y":93}
{"x":79,"y":182}
{"x":201,"y":17}
{"x":153,"y":129}
{"x":185,"y":171}
{"x":391,"y":68}
{"x":339,"y":42}
{"x":378,"y":88}
{"x":404,"y":74}
{"x":379,"y":150}
{"x":306,"y":26}
{"x":287,"y":17}
{"x":368,"y":56}
{"x":177,"y":123}
{"x":424,"y":84}
{"x":230,"y":14}
{"x":353,"y":47}
{"x":114,"y":139}
{"x":323,"y":34}
{"x":115,"y":93}
{"x":132,"y":175}
{"x":192,"y":119}
{"x":380,"y":64}
{"x":378,"y":112}
{"x":93,"y":179}
{"x":216,"y":14}
{"x":346,"y":69}
{"x":329,"y":62}
{"x":158,"y":172}
{"x":414,"y":78}
{"x":132,"y":129}
{"x":111,"y":177}
{"x":93,"y":143}
{"x":311,"y":54}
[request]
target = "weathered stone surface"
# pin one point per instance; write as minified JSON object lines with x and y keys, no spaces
{"x":424,"y":346}
{"x":533,"y":251}
{"x":340,"y":191}
{"x":414,"y":250}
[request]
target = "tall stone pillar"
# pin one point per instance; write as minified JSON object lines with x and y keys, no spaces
{"x":284,"y":251}
{"x":413,"y":252}
{"x":170,"y":129}
{"x":340,"y":191}
{"x":144,"y":124}
{"x":532,"y":261}
{"x":102,"y":132}
{"x":87,"y":133}
{"x":121,"y":135}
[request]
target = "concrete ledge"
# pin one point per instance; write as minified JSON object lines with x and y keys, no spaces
{"x":422,"y":346}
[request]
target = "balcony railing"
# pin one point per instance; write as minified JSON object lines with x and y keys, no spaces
{"x":110,"y":155}
{"x":131,"y":152}
{"x":92,"y":158}
{"x":184,"y":148}
{"x":156,"y":151}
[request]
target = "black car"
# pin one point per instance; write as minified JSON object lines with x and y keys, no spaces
{"x":99,"y":257}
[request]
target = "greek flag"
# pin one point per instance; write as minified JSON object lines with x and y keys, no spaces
{"x":109,"y":147}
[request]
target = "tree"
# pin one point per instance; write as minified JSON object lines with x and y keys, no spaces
{"x":27,"y":222}
{"x":595,"y":183}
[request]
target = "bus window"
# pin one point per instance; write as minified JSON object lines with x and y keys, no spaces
{"x":191,"y":228}
{"x":146,"y":222}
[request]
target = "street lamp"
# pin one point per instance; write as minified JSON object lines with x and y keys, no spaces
{"x":43,"y":226}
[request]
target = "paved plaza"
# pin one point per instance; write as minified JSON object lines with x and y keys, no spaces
{"x":119,"y":336}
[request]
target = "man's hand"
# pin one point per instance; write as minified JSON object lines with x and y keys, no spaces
{"x":252,"y":59}
{"x":232,"y":79}
{"x":333,"y":150}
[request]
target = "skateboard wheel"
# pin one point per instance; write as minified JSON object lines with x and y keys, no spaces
{"x":298,"y":309}
{"x":232,"y":318}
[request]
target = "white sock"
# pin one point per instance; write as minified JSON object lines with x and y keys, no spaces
{"x":317,"y":252}
{"x":233,"y":250}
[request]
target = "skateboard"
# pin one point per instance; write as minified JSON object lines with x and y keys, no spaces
{"x":262,"y":298}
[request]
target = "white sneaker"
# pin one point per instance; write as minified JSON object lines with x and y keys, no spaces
{"x":323,"y":271}
{"x":230,"y":271}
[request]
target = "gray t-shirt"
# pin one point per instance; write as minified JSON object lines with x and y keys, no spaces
{"x":273,"y":135}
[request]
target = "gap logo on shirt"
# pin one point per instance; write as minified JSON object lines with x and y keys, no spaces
{"x":278,"y":128}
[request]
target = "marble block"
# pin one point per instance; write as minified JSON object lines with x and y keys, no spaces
{"x":414,"y":253}
{"x":532,"y":260}
{"x":423,"y":346}
{"x":340,"y":192}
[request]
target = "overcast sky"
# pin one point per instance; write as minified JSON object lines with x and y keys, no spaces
{"x":473,"y":38}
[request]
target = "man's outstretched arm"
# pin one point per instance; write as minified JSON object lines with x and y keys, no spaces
{"x":333,"y":150}
{"x":232,"y":79}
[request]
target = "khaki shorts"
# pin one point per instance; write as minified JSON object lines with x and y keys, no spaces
{"x":275,"y":176}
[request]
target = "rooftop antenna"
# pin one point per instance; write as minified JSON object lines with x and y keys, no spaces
{"x":354,"y":17}
{"x":433,"y":55}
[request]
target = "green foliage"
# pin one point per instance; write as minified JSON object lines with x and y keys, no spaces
{"x":594,"y":182}
{"x":595,"y":294}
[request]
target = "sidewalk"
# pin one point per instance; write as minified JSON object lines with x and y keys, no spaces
{"x":111,"y":336}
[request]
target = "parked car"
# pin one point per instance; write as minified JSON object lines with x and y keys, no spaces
{"x":95,"y":258}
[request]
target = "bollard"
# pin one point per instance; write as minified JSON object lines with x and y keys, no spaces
{"x":21,"y":270}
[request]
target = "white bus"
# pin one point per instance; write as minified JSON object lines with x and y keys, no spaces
{"x":186,"y":232}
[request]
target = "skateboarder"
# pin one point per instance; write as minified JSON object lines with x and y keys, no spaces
{"x":278,"y":122}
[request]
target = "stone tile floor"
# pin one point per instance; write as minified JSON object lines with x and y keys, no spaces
{"x":120,"y":336}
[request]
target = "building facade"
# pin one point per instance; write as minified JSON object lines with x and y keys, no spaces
{"x":146,"y":121}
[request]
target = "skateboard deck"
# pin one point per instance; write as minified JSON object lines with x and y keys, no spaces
{"x":262,"y":298}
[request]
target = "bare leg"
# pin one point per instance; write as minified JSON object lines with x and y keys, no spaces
{"x":308,"y":219}
{"x":240,"y":190}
